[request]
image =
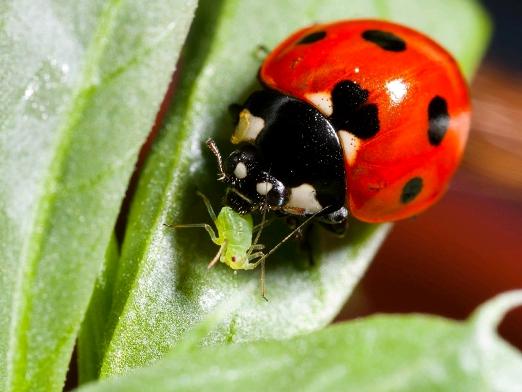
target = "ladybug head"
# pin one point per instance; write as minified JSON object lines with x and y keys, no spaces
{"x":250,"y":184}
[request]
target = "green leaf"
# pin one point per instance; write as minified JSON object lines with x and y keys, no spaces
{"x":92,"y":339}
{"x":81,"y":84}
{"x":164,"y":289}
{"x":382,"y":353}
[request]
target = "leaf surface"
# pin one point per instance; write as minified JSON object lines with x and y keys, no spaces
{"x":376,"y":354}
{"x":91,"y":339}
{"x":81,"y":83}
{"x":164,"y":288}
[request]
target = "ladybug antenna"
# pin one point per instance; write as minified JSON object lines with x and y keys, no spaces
{"x":213,"y":148}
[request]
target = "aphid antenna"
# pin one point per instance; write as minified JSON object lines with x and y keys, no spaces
{"x":207,"y":203}
{"x":291,"y":234}
{"x":213,"y":148}
{"x":262,"y":259}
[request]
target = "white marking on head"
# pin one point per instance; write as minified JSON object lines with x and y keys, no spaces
{"x":263,"y":188}
{"x":322,"y":101}
{"x":240,"y":171}
{"x":357,"y":70}
{"x":248,"y":127}
{"x":303,"y":197}
{"x":397,"y":89}
{"x":350,"y":145}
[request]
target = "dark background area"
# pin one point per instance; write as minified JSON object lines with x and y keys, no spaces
{"x":468,"y":247}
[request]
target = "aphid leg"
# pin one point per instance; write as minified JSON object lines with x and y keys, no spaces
{"x":256,"y":255}
{"x":261,"y":260}
{"x":205,"y":226}
{"x":290,"y":235}
{"x":257,"y":247}
{"x":262,"y":225}
{"x":262,"y":280}
{"x":258,"y":234}
{"x":216,"y":257}
{"x":208,"y":205}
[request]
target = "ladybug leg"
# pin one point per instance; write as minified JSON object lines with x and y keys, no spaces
{"x":336,"y":221}
{"x":337,"y":216}
{"x":338,"y":229}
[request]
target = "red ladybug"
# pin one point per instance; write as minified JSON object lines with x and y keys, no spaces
{"x":364,"y":117}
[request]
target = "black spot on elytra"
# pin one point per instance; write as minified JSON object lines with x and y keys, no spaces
{"x":411,"y":189}
{"x":385,"y":40}
{"x":438,"y":120}
{"x":312,"y":37}
{"x":351,"y":112}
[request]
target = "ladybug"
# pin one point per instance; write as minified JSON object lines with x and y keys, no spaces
{"x":364,"y":118}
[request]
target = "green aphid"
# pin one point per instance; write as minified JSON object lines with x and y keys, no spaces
{"x":234,"y":238}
